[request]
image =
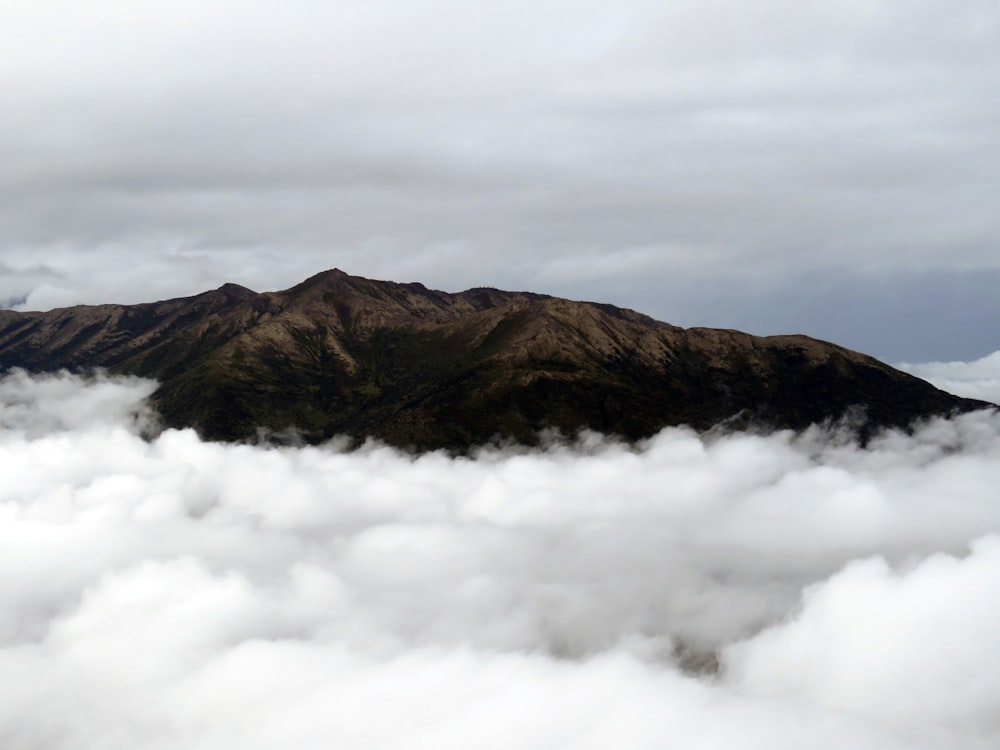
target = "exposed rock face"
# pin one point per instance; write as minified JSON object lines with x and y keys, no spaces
{"x":339,"y":354}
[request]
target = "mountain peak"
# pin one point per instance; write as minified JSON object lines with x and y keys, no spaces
{"x":341,"y":354}
{"x":236,"y":290}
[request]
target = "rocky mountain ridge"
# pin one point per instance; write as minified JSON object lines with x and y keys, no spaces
{"x":415,"y":367}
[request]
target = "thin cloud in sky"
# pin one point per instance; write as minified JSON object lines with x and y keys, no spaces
{"x":759,"y":591}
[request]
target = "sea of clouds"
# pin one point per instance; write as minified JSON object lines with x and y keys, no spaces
{"x":725,"y":591}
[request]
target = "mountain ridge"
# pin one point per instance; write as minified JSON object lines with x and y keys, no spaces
{"x":426,"y":369}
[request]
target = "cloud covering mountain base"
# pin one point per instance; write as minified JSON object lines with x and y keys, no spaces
{"x":734,"y":591}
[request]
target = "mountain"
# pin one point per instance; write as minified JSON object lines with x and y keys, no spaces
{"x":339,"y":354}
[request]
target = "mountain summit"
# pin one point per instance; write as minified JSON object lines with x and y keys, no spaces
{"x":338,"y":354}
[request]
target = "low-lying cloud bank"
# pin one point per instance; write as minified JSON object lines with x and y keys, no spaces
{"x":978,"y":379}
{"x":743,"y":591}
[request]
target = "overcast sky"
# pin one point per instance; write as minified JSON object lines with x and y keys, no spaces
{"x":825,"y":167}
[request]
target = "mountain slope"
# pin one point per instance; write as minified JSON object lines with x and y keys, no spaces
{"x":339,"y":354}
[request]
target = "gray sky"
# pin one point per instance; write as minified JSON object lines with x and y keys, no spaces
{"x":776,"y":166}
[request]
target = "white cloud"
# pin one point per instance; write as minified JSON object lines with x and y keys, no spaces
{"x":911,"y":648}
{"x":37,"y":405}
{"x":979,"y":379}
{"x":171,"y":593}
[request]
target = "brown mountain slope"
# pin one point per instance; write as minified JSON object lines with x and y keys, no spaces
{"x":338,"y":354}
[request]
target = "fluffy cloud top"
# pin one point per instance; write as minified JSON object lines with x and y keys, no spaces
{"x":736,"y":591}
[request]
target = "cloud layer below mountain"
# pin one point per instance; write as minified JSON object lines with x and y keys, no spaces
{"x":732,"y":591}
